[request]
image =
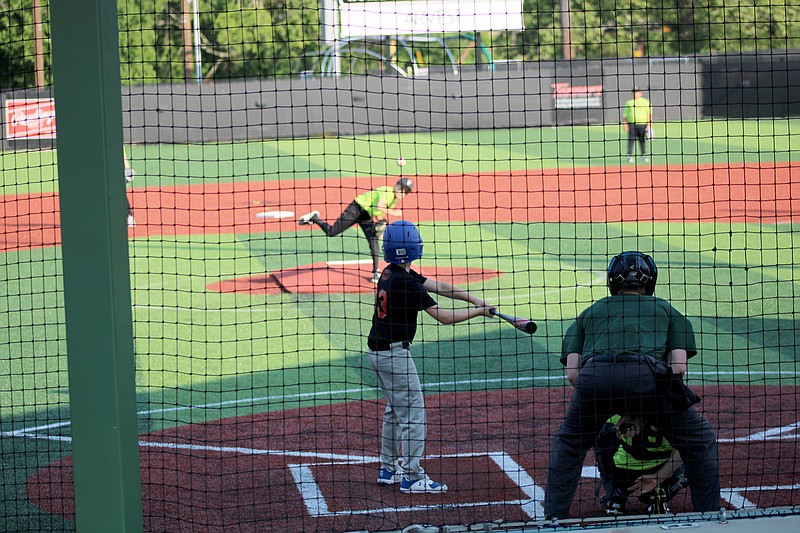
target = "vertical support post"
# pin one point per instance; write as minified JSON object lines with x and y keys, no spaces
{"x":329,"y":20}
{"x":38,"y":44}
{"x":198,"y":59}
{"x":186,"y":33}
{"x":566,"y":24}
{"x":86,"y":73}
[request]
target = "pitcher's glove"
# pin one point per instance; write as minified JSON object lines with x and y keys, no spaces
{"x":380,"y":227}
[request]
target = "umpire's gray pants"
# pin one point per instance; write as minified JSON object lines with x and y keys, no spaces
{"x":404,"y":425}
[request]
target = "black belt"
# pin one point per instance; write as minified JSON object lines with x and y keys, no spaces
{"x":618,"y":358}
{"x":383,"y":346}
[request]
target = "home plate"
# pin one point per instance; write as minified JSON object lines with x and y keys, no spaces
{"x":275,"y":214}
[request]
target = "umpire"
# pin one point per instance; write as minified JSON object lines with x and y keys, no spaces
{"x":625,"y":354}
{"x":637,"y":118}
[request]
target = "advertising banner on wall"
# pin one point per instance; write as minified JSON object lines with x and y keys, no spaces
{"x":578,"y":92}
{"x":30,"y":118}
{"x":366,"y":19}
{"x":583,"y":96}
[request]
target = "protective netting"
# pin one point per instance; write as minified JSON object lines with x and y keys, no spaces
{"x":266,"y":142}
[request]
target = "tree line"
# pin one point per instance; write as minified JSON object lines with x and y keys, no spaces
{"x":270,"y":38}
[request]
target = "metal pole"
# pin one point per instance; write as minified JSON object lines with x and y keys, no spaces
{"x":198,"y":60}
{"x":329,"y":19}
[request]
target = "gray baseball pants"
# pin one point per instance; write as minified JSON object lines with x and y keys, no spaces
{"x":404,"y":423}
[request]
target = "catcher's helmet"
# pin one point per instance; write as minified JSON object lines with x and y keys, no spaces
{"x":405,"y":184}
{"x":401,"y":243}
{"x":631,"y":270}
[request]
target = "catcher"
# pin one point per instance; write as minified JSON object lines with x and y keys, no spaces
{"x":369,"y":210}
{"x":634,"y":459}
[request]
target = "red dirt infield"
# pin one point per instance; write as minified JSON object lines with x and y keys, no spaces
{"x":313,"y":469}
{"x":735,"y":192}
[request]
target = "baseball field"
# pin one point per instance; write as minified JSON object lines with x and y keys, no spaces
{"x":258,"y":408}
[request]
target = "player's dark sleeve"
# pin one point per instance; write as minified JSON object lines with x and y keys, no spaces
{"x":572,"y":342}
{"x":421,"y":296}
{"x":681,"y":334}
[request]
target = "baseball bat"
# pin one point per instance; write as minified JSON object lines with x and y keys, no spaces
{"x":525,"y":325}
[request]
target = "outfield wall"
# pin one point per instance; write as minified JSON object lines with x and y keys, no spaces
{"x":530,"y":94}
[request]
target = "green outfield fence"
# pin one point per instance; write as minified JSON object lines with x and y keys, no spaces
{"x":177,"y":353}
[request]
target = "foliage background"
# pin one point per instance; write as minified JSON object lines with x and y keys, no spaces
{"x":268,"y":38}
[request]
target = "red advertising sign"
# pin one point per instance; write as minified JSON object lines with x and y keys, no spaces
{"x":30,"y":118}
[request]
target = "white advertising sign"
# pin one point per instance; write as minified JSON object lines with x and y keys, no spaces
{"x":365,"y":19}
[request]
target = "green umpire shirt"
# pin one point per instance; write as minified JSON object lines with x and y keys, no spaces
{"x":369,"y":200}
{"x":629,"y":324}
{"x":637,"y":110}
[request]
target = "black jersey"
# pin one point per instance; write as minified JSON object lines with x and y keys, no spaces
{"x":399,"y":298}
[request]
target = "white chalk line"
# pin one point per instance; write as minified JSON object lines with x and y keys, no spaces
{"x":290,"y":397}
{"x":317,"y":506}
{"x":349,"y":262}
{"x":772,"y":434}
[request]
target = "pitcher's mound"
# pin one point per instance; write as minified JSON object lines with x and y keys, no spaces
{"x":338,"y":277}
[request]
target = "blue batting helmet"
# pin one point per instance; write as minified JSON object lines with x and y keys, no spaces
{"x":631,"y":270}
{"x":401,"y":242}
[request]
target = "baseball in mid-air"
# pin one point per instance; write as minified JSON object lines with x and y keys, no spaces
{"x":401,"y":162}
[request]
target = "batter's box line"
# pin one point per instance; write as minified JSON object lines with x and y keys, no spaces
{"x":735,"y":495}
{"x":783,"y":433}
{"x":317,"y":505}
